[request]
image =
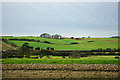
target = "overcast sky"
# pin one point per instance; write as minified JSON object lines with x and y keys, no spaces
{"x":77,"y":19}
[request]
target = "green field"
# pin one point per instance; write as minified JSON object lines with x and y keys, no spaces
{"x":57,"y":60}
{"x":65,"y":44}
{"x":5,"y":46}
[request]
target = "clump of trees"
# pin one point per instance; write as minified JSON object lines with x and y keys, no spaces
{"x":77,"y":38}
{"x":24,"y":50}
{"x":48,"y":48}
{"x":43,"y":52}
{"x":79,"y":54}
{"x":24,"y":40}
{"x":71,"y":37}
{"x":91,"y":41}
{"x":106,"y":50}
{"x":74,"y":43}
{"x":47,"y":42}
{"x":27,"y":51}
{"x":6,"y":41}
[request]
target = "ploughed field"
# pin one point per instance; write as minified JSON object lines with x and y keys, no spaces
{"x":66,"y":44}
{"x":57,"y":71}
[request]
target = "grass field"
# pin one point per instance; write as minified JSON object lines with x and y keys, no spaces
{"x":65,"y":44}
{"x":86,"y":60}
{"x":5,"y":46}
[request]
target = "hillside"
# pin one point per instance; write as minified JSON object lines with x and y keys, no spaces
{"x":5,"y":46}
{"x":66,"y":44}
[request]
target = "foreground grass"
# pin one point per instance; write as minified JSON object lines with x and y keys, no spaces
{"x":87,"y":60}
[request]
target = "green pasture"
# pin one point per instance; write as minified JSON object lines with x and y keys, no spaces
{"x":65,"y":44}
{"x":5,"y":46}
{"x":56,"y":41}
{"x":61,"y":41}
{"x":55,"y":60}
{"x":82,"y":46}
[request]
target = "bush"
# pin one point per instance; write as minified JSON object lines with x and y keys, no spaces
{"x":77,"y":38}
{"x":46,"y":42}
{"x":12,"y":44}
{"x":74,"y":55}
{"x":9,"y":54}
{"x":111,"y":53}
{"x":37,"y":40}
{"x":5,"y":40}
{"x":83,"y":55}
{"x":91,"y":41}
{"x":63,"y":56}
{"x":74,"y":43}
{"x":38,"y":48}
{"x":52,"y":48}
{"x":116,"y":57}
{"x":78,"y":54}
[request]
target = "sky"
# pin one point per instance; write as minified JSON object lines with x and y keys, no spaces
{"x":69,"y":19}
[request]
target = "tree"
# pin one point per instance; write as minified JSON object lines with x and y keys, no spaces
{"x":48,"y":48}
{"x":52,"y":48}
{"x":71,"y":37}
{"x":63,"y":56}
{"x":74,"y":55}
{"x":26,"y":50}
{"x":45,"y":53}
{"x":9,"y":54}
{"x":5,"y":40}
{"x":38,"y":48}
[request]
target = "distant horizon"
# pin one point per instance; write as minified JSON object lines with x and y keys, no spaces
{"x":62,"y":36}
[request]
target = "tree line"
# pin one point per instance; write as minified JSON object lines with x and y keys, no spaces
{"x":27,"y":51}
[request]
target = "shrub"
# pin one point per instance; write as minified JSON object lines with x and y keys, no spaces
{"x":83,"y":55}
{"x":47,"y":42}
{"x":63,"y":56}
{"x":12,"y":44}
{"x":77,"y":38}
{"x":9,"y":54}
{"x":74,"y":43}
{"x":52,"y":48}
{"x":38,"y":48}
{"x":74,"y":55}
{"x":116,"y":57}
{"x":91,"y":41}
{"x":37,"y":40}
{"x":48,"y":48}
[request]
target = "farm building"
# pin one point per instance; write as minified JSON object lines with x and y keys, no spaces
{"x":56,"y":36}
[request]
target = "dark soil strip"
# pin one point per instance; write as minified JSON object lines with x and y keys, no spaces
{"x":64,"y":70}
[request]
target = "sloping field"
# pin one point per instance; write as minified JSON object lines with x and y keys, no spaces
{"x":5,"y":46}
{"x":55,"y":41}
{"x":65,"y":44}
